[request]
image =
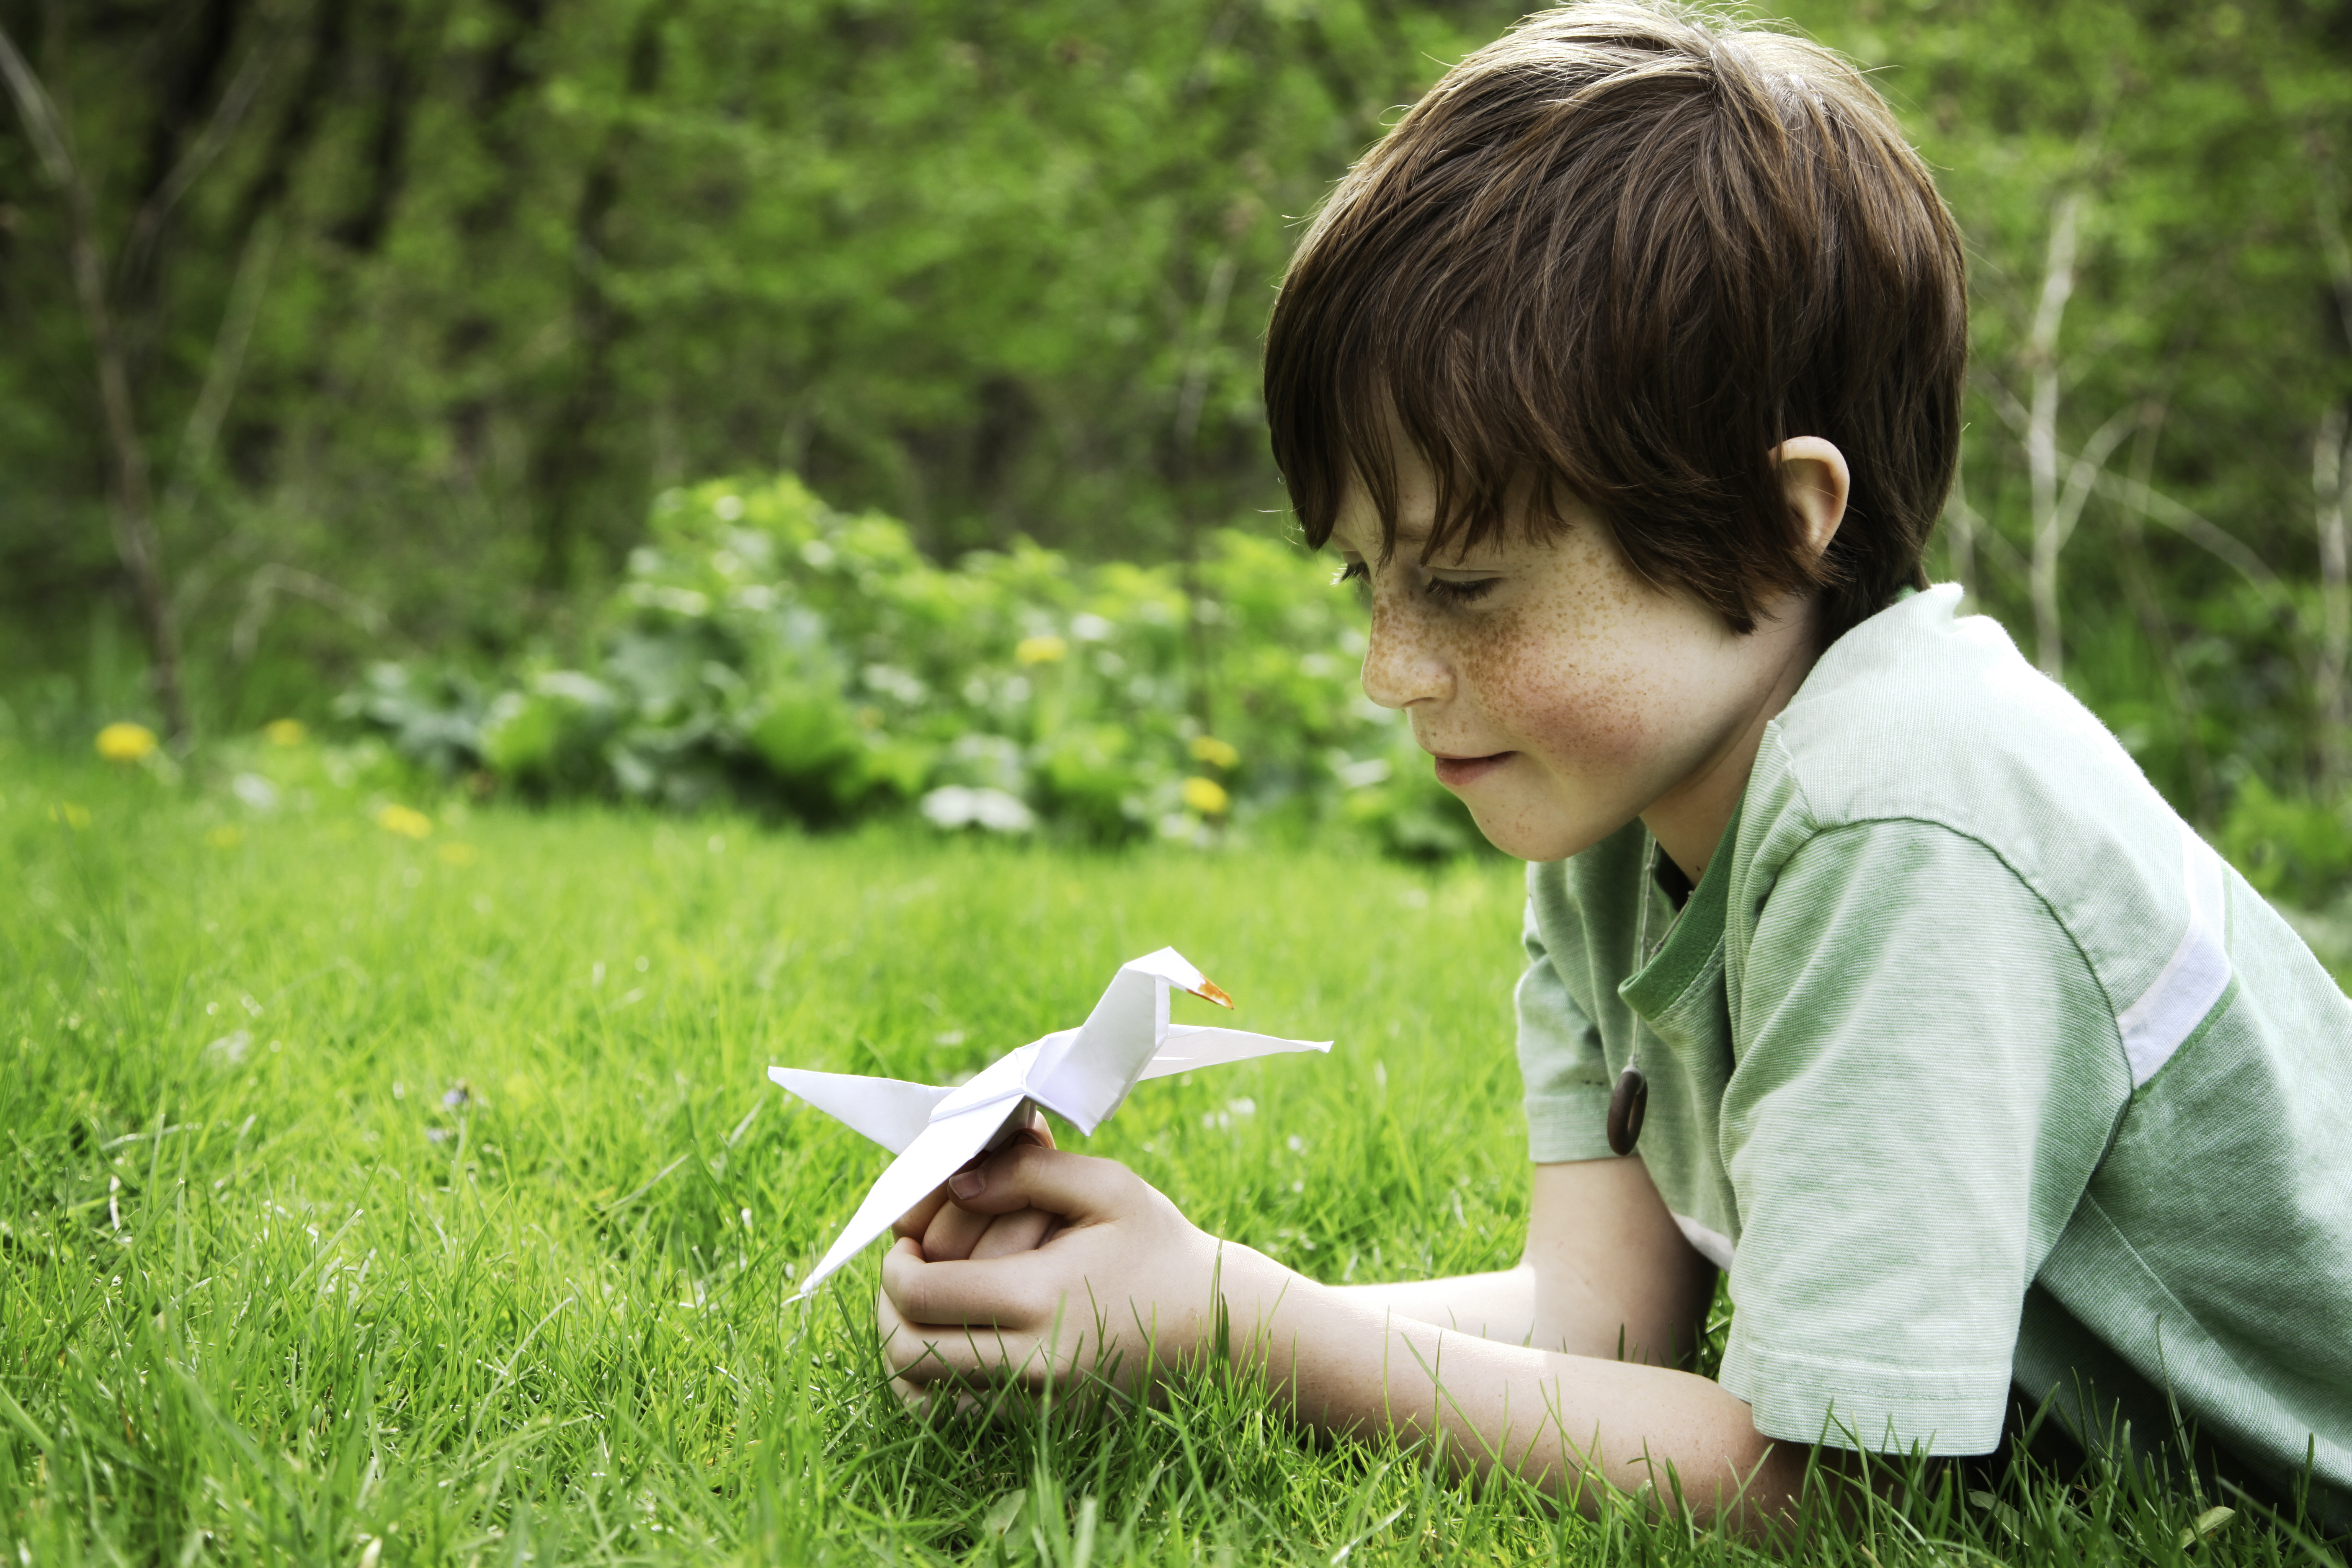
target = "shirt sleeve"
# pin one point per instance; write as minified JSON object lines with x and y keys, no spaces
{"x":1561,"y":1061}
{"x":1930,"y":1073}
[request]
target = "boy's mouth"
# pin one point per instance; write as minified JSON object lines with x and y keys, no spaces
{"x":1456,"y":772}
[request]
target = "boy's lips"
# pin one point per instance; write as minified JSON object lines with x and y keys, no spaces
{"x":1456,"y":772}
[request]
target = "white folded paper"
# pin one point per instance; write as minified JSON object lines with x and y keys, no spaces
{"x":1081,"y":1074}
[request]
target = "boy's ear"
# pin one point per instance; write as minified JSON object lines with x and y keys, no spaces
{"x":1815,"y":481}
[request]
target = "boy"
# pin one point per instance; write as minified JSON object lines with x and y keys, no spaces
{"x":1624,"y":374}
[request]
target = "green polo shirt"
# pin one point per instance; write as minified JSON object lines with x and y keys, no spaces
{"x":1972,"y":1063}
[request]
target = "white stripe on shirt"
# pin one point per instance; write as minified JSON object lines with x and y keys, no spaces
{"x":2176,"y":1001}
{"x":1711,"y":1244}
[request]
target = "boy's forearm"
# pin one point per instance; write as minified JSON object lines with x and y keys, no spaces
{"x":1498,"y":1306}
{"x":1558,"y":1420}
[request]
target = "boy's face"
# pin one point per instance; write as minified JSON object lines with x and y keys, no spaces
{"x":1560,"y":694}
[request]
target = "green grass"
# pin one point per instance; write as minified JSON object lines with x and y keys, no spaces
{"x":272,"y":1289}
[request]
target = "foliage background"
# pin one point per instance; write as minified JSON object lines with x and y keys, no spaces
{"x":420,"y":303}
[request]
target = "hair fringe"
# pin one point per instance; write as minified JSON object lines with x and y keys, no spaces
{"x":1613,"y":259}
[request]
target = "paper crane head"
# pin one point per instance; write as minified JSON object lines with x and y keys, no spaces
{"x":1081,"y":1074}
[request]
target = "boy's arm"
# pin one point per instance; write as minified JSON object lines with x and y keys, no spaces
{"x":1499,"y":1306}
{"x":1605,"y":1266}
{"x":1127,"y":1286}
{"x":1559,"y":1420}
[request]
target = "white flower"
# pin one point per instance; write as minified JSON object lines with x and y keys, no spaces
{"x":952,"y":806}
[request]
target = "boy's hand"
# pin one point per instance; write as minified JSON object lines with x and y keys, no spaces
{"x":1123,"y":1278}
{"x":949,"y":1232}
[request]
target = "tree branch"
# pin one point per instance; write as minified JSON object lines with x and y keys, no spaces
{"x":147,"y":227}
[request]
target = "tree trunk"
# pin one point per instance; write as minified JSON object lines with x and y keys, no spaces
{"x":2330,"y":450}
{"x":566,"y":458}
{"x":2327,"y":461}
{"x":2042,"y":433}
{"x":135,"y":541}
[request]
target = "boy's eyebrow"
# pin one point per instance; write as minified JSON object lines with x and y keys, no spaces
{"x":1406,"y":535}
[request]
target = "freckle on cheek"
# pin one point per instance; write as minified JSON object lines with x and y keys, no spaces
{"x":1558,"y":686}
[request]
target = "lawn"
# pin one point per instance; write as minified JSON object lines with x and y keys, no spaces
{"x":372,"y":1198}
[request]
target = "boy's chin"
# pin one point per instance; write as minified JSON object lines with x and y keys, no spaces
{"x":1536,"y":825}
{"x":1525,"y":832}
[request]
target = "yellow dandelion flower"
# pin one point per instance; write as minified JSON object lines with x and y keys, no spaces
{"x":74,"y":816}
{"x":456,"y":855}
{"x":1216,"y":753}
{"x":405,"y":821}
{"x":1206,"y":796}
{"x":285,"y":733}
{"x":227,"y":836}
{"x":1045,"y":648}
{"x":125,"y":743}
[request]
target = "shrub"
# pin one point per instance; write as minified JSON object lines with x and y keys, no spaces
{"x":2297,"y":850}
{"x":766,"y":649}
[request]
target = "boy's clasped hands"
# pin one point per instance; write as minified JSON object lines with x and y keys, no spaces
{"x":1033,"y":1264}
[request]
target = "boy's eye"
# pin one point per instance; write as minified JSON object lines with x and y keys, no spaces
{"x":1355,"y":572}
{"x":1462,"y":593}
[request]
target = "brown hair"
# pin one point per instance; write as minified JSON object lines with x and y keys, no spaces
{"x":1621,"y":254}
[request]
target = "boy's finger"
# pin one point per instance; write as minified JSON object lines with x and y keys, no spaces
{"x":900,"y":1347}
{"x":999,"y":1293}
{"x":1038,"y":1130}
{"x":953,"y":1232}
{"x":917,"y":1220}
{"x":927,"y":1355}
{"x":914,"y":1291}
{"x":924,"y":1354}
{"x":1075,"y":1187}
{"x":1023,"y":1230}
{"x":919,"y":1354}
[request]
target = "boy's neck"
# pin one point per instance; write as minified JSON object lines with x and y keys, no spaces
{"x":1689,"y":819}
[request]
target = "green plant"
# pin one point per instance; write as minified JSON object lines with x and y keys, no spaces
{"x":767,"y":650}
{"x":2298,"y":850}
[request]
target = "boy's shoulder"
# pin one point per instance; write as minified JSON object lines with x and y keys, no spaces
{"x":1923,"y":723}
{"x":1923,"y":713}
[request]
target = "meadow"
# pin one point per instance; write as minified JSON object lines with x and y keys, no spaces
{"x":382,"y":1188}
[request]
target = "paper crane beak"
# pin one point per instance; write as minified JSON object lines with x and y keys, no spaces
{"x":1210,"y":990}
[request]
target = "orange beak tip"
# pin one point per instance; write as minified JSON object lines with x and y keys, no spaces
{"x":1211,"y":991}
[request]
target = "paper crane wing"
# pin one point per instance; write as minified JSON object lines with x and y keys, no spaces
{"x":1189,"y":1046}
{"x":935,"y":1155}
{"x":887,"y":1109}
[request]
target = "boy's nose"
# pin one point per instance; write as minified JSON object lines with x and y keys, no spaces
{"x":1401,"y":667}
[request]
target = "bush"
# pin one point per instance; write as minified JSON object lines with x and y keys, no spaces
{"x":2296,"y":850}
{"x":765,"y":649}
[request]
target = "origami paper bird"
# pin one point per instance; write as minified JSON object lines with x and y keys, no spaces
{"x":1083,"y":1074}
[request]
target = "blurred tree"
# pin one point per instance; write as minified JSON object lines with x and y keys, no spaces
{"x":512,"y":264}
{"x":474,"y":277}
{"x":196,"y":111}
{"x":2157,"y":347}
